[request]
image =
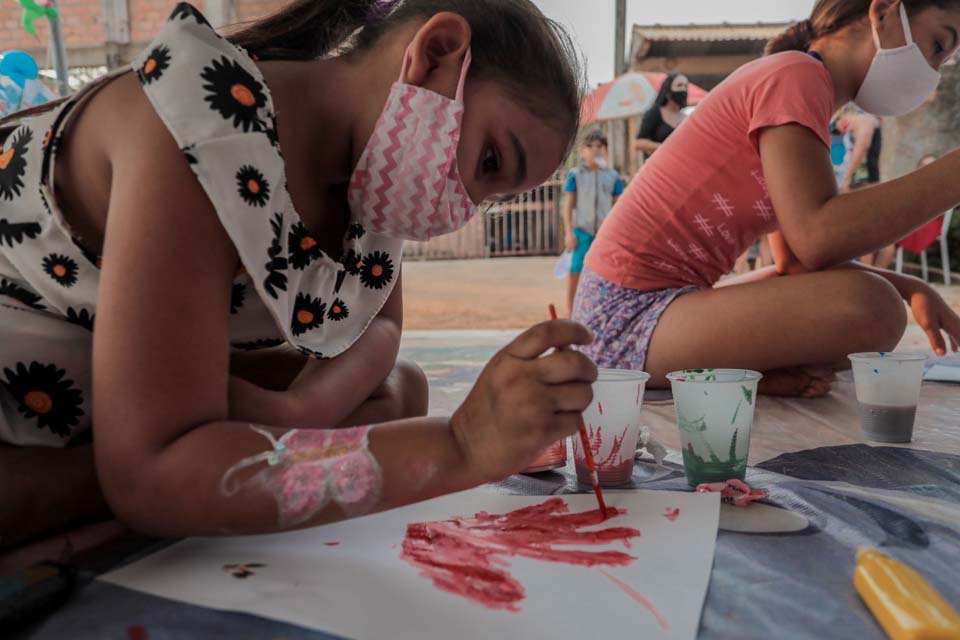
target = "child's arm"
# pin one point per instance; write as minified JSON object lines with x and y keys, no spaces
{"x":569,"y":204}
{"x":170,"y":460}
{"x":825,"y":229}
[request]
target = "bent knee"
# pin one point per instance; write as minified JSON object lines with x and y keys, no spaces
{"x":405,"y":392}
{"x":415,"y":390}
{"x":876,"y":309}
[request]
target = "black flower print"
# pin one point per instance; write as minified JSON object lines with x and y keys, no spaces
{"x":83,"y":318}
{"x":91,"y":257}
{"x":310,"y":353}
{"x":18,"y":293}
{"x":376,"y":271}
{"x":43,"y":200}
{"x":302,"y":247}
{"x":13,"y":164}
{"x":307,"y":314}
{"x":253,"y":187}
{"x":188,"y":153}
{"x":234,"y":93}
{"x":237,"y":295}
{"x":61,"y":268}
{"x":356,"y":231}
{"x":338,"y":310}
{"x":43,"y":393}
{"x":352,"y":262}
{"x":272,"y":132}
{"x":277,"y":264}
{"x":183,"y":11}
{"x":256,"y":345}
{"x":156,"y":63}
{"x":15,"y":233}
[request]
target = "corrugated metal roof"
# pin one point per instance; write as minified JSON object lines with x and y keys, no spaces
{"x":709,"y":32}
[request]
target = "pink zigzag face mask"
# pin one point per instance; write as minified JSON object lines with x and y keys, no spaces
{"x":407,"y":183}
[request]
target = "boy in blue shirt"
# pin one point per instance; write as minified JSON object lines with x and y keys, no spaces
{"x":592,"y":189}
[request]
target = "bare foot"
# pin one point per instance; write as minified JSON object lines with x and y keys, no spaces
{"x":798,"y":382}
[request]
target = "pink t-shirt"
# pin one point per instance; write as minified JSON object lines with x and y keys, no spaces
{"x":701,"y":200}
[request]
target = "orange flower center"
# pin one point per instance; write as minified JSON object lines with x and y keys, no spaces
{"x":376,"y":270}
{"x":149,"y":66}
{"x":38,"y":401}
{"x":46,"y":137}
{"x":59,"y":270}
{"x":253,"y":186}
{"x":336,"y":309}
{"x":305,"y":317}
{"x":308,"y":243}
{"x":243,"y":95}
{"x":5,"y":159}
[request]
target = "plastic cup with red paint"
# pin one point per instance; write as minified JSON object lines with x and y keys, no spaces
{"x":715,"y":415}
{"x":613,"y":427}
{"x":888,"y":392}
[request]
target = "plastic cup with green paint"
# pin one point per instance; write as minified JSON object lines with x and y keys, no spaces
{"x":715,"y":415}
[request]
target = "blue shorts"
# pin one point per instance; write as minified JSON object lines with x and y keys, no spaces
{"x":584,"y":240}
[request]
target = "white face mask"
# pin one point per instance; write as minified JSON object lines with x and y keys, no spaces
{"x":899,"y":80}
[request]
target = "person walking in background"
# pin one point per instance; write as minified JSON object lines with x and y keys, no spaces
{"x":592,"y":189}
{"x":862,"y":167}
{"x":666,"y":114}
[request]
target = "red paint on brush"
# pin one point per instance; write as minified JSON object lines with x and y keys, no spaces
{"x":331,"y":544}
{"x":466,"y":556}
{"x":640,"y":599}
{"x":594,"y":480}
{"x":671,"y":514}
{"x":136,"y":632}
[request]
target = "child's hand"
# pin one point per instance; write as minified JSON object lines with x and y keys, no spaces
{"x":523,"y":403}
{"x":936,"y":317}
{"x":570,"y":242}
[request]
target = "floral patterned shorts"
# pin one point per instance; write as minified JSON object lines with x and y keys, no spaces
{"x":621,"y":319}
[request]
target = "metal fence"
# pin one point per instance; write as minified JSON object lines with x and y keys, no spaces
{"x":529,"y":225}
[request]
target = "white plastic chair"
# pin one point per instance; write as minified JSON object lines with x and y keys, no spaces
{"x":944,"y":253}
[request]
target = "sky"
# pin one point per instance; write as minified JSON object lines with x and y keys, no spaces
{"x":592,"y":21}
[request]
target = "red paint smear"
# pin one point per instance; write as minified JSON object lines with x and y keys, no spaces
{"x":600,"y":406}
{"x":465,"y":556}
{"x":639,"y":598}
{"x":671,"y":514}
{"x":331,"y":544}
{"x":136,"y":632}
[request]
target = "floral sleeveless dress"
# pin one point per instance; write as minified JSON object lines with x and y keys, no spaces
{"x":216,"y":105}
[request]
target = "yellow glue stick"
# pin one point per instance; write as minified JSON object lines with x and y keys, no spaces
{"x":905,"y":604}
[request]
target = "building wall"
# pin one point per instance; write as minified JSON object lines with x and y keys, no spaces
{"x":84,"y":32}
{"x":934,"y":128}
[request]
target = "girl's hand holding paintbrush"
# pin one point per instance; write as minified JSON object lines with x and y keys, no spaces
{"x":524,"y":401}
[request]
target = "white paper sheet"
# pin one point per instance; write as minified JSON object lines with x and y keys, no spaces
{"x":361,"y":588}
{"x":942,"y":373}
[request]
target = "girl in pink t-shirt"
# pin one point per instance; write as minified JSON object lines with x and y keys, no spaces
{"x":754,"y":159}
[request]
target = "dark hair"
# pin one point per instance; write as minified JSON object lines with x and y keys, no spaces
{"x":513,"y":44}
{"x":830,"y":16}
{"x":663,"y":96}
{"x":595,"y":136}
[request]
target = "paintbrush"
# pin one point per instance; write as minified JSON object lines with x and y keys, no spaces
{"x":587,"y":451}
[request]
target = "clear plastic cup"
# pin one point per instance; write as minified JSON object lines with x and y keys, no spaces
{"x":612,"y":422}
{"x":888,"y":392}
{"x":715,"y":416}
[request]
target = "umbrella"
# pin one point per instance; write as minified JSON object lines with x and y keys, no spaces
{"x":20,"y":86}
{"x":629,"y":95}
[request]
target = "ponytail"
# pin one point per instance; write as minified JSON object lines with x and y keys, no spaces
{"x":307,"y":29}
{"x":796,"y":38}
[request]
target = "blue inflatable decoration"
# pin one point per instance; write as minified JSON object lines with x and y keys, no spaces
{"x":18,"y":66}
